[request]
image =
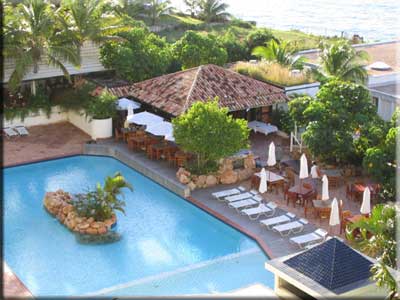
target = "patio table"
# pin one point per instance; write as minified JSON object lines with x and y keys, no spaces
{"x":300,"y":190}
{"x":136,"y":142}
{"x":273,"y":179}
{"x":358,"y":189}
{"x":158,"y":150}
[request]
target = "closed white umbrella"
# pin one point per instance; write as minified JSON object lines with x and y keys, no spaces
{"x":263,"y":181}
{"x":366,"y":203}
{"x":144,"y":118}
{"x":334,"y":218}
{"x":303,"y":167}
{"x":271,"y":155}
{"x":325,"y":188}
{"x":161,"y":129}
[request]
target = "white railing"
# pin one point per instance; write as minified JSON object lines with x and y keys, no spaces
{"x":296,"y":139}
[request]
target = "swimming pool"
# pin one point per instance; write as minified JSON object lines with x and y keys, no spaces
{"x":168,"y":246}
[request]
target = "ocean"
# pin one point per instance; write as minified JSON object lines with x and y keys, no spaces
{"x":375,"y":20}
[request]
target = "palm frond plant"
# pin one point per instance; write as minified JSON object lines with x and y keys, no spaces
{"x":133,"y":9}
{"x":342,"y":61}
{"x":192,"y":6}
{"x":30,"y":38}
{"x":378,"y":240}
{"x":213,"y":11}
{"x":157,"y":8}
{"x":281,"y":53}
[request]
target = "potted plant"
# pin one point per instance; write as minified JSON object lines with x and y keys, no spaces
{"x":101,"y":109}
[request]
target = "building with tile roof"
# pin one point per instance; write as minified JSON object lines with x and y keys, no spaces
{"x":175,"y":93}
{"x":328,"y":270}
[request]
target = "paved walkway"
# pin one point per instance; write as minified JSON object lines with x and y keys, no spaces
{"x":44,"y":142}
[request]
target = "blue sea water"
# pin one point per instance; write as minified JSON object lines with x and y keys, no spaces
{"x":375,"y":20}
{"x":168,"y":246}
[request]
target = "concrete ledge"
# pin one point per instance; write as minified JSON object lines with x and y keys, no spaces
{"x":138,"y":161}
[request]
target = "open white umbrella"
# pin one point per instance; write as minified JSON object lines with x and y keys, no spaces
{"x":325,"y":188}
{"x":144,"y":118}
{"x":271,"y":155}
{"x":334,"y":218}
{"x":263,"y":181}
{"x":124,"y":103}
{"x":161,"y":129}
{"x":303,"y":167}
{"x":366,"y":203}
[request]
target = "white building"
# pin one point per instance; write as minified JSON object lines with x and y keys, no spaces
{"x":383,"y":70}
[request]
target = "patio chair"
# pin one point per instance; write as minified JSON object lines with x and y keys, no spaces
{"x":291,"y":198}
{"x":343,"y":222}
{"x":324,"y":213}
{"x":306,"y":240}
{"x":230,"y":192}
{"x":118,"y":135}
{"x":238,"y":197}
{"x":246,"y":203}
{"x":271,"y":222}
{"x":21,"y":130}
{"x":254,"y":213}
{"x":10,"y":132}
{"x":291,"y":227}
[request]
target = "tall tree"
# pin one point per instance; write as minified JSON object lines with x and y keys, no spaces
{"x":279,"y":52}
{"x":193,"y":6}
{"x":341,"y":60}
{"x":213,"y":10}
{"x":157,"y":8}
{"x":30,"y":37}
{"x":132,"y":8}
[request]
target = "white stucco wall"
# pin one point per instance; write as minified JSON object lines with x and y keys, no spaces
{"x":40,"y":118}
{"x":310,"y":89}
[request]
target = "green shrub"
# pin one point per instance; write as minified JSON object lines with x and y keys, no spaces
{"x":208,"y":168}
{"x":282,"y":119}
{"x":102,"y":106}
{"x":101,"y":203}
{"x":235,"y":48}
{"x":258,"y":37}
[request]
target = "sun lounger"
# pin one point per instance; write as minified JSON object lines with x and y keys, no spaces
{"x":255,"y":212}
{"x":292,"y":227}
{"x":254,"y":192}
{"x":226,"y":193}
{"x":271,"y":222}
{"x":238,"y":197}
{"x":21,"y":130}
{"x":306,"y":240}
{"x":243,"y":204}
{"x":10,"y":132}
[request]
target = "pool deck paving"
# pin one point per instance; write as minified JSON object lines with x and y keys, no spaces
{"x":63,"y":139}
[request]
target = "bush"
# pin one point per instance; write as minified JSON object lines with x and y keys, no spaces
{"x":142,"y":55}
{"x":101,"y":203}
{"x":102,"y":106}
{"x":258,"y":37}
{"x":208,"y":168}
{"x":208,"y":131}
{"x":195,"y":49}
{"x":235,"y":49}
{"x":241,"y":23}
{"x":282,"y":119}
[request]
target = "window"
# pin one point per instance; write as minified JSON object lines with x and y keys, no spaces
{"x":375,"y":101}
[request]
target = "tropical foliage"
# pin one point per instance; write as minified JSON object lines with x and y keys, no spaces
{"x":259,"y":37}
{"x":378,"y":240}
{"x":213,"y":10}
{"x":102,"y":106}
{"x":157,"y":8}
{"x":342,"y":61}
{"x":140,"y":56}
{"x":235,"y":48}
{"x":192,"y":6}
{"x":281,"y":53}
{"x":208,"y":131}
{"x":339,"y":110}
{"x":195,"y":49}
{"x":101,"y":202}
{"x":30,"y":37}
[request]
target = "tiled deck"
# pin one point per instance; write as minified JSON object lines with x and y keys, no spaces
{"x":44,"y":142}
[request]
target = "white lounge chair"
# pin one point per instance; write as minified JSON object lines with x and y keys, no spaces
{"x":271,"y":222}
{"x":255,"y":212}
{"x":226,"y":193}
{"x":306,"y":240}
{"x":238,"y":197}
{"x":10,"y":132}
{"x":243,"y":204}
{"x":21,"y":130}
{"x":254,"y":192}
{"x":292,"y":227}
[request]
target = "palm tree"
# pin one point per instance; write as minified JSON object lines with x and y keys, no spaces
{"x":131,"y":8}
{"x":193,"y":6}
{"x":30,"y":38}
{"x":378,"y":239}
{"x":157,"y":8}
{"x":279,"y":52}
{"x":213,"y":10}
{"x":341,"y":60}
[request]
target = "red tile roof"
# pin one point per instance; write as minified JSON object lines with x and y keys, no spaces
{"x":175,"y":93}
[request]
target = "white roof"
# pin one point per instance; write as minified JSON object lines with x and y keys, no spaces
{"x":144,"y":118}
{"x":124,"y":103}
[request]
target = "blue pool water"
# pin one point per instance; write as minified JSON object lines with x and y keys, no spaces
{"x":168,"y":246}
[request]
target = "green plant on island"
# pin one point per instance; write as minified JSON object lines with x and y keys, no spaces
{"x":101,"y":203}
{"x":281,"y":53}
{"x":102,"y":107}
{"x":235,"y":48}
{"x":340,"y":60}
{"x":213,"y":10}
{"x":142,"y":55}
{"x":378,"y":240}
{"x":195,"y":49}
{"x":211,"y":133}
